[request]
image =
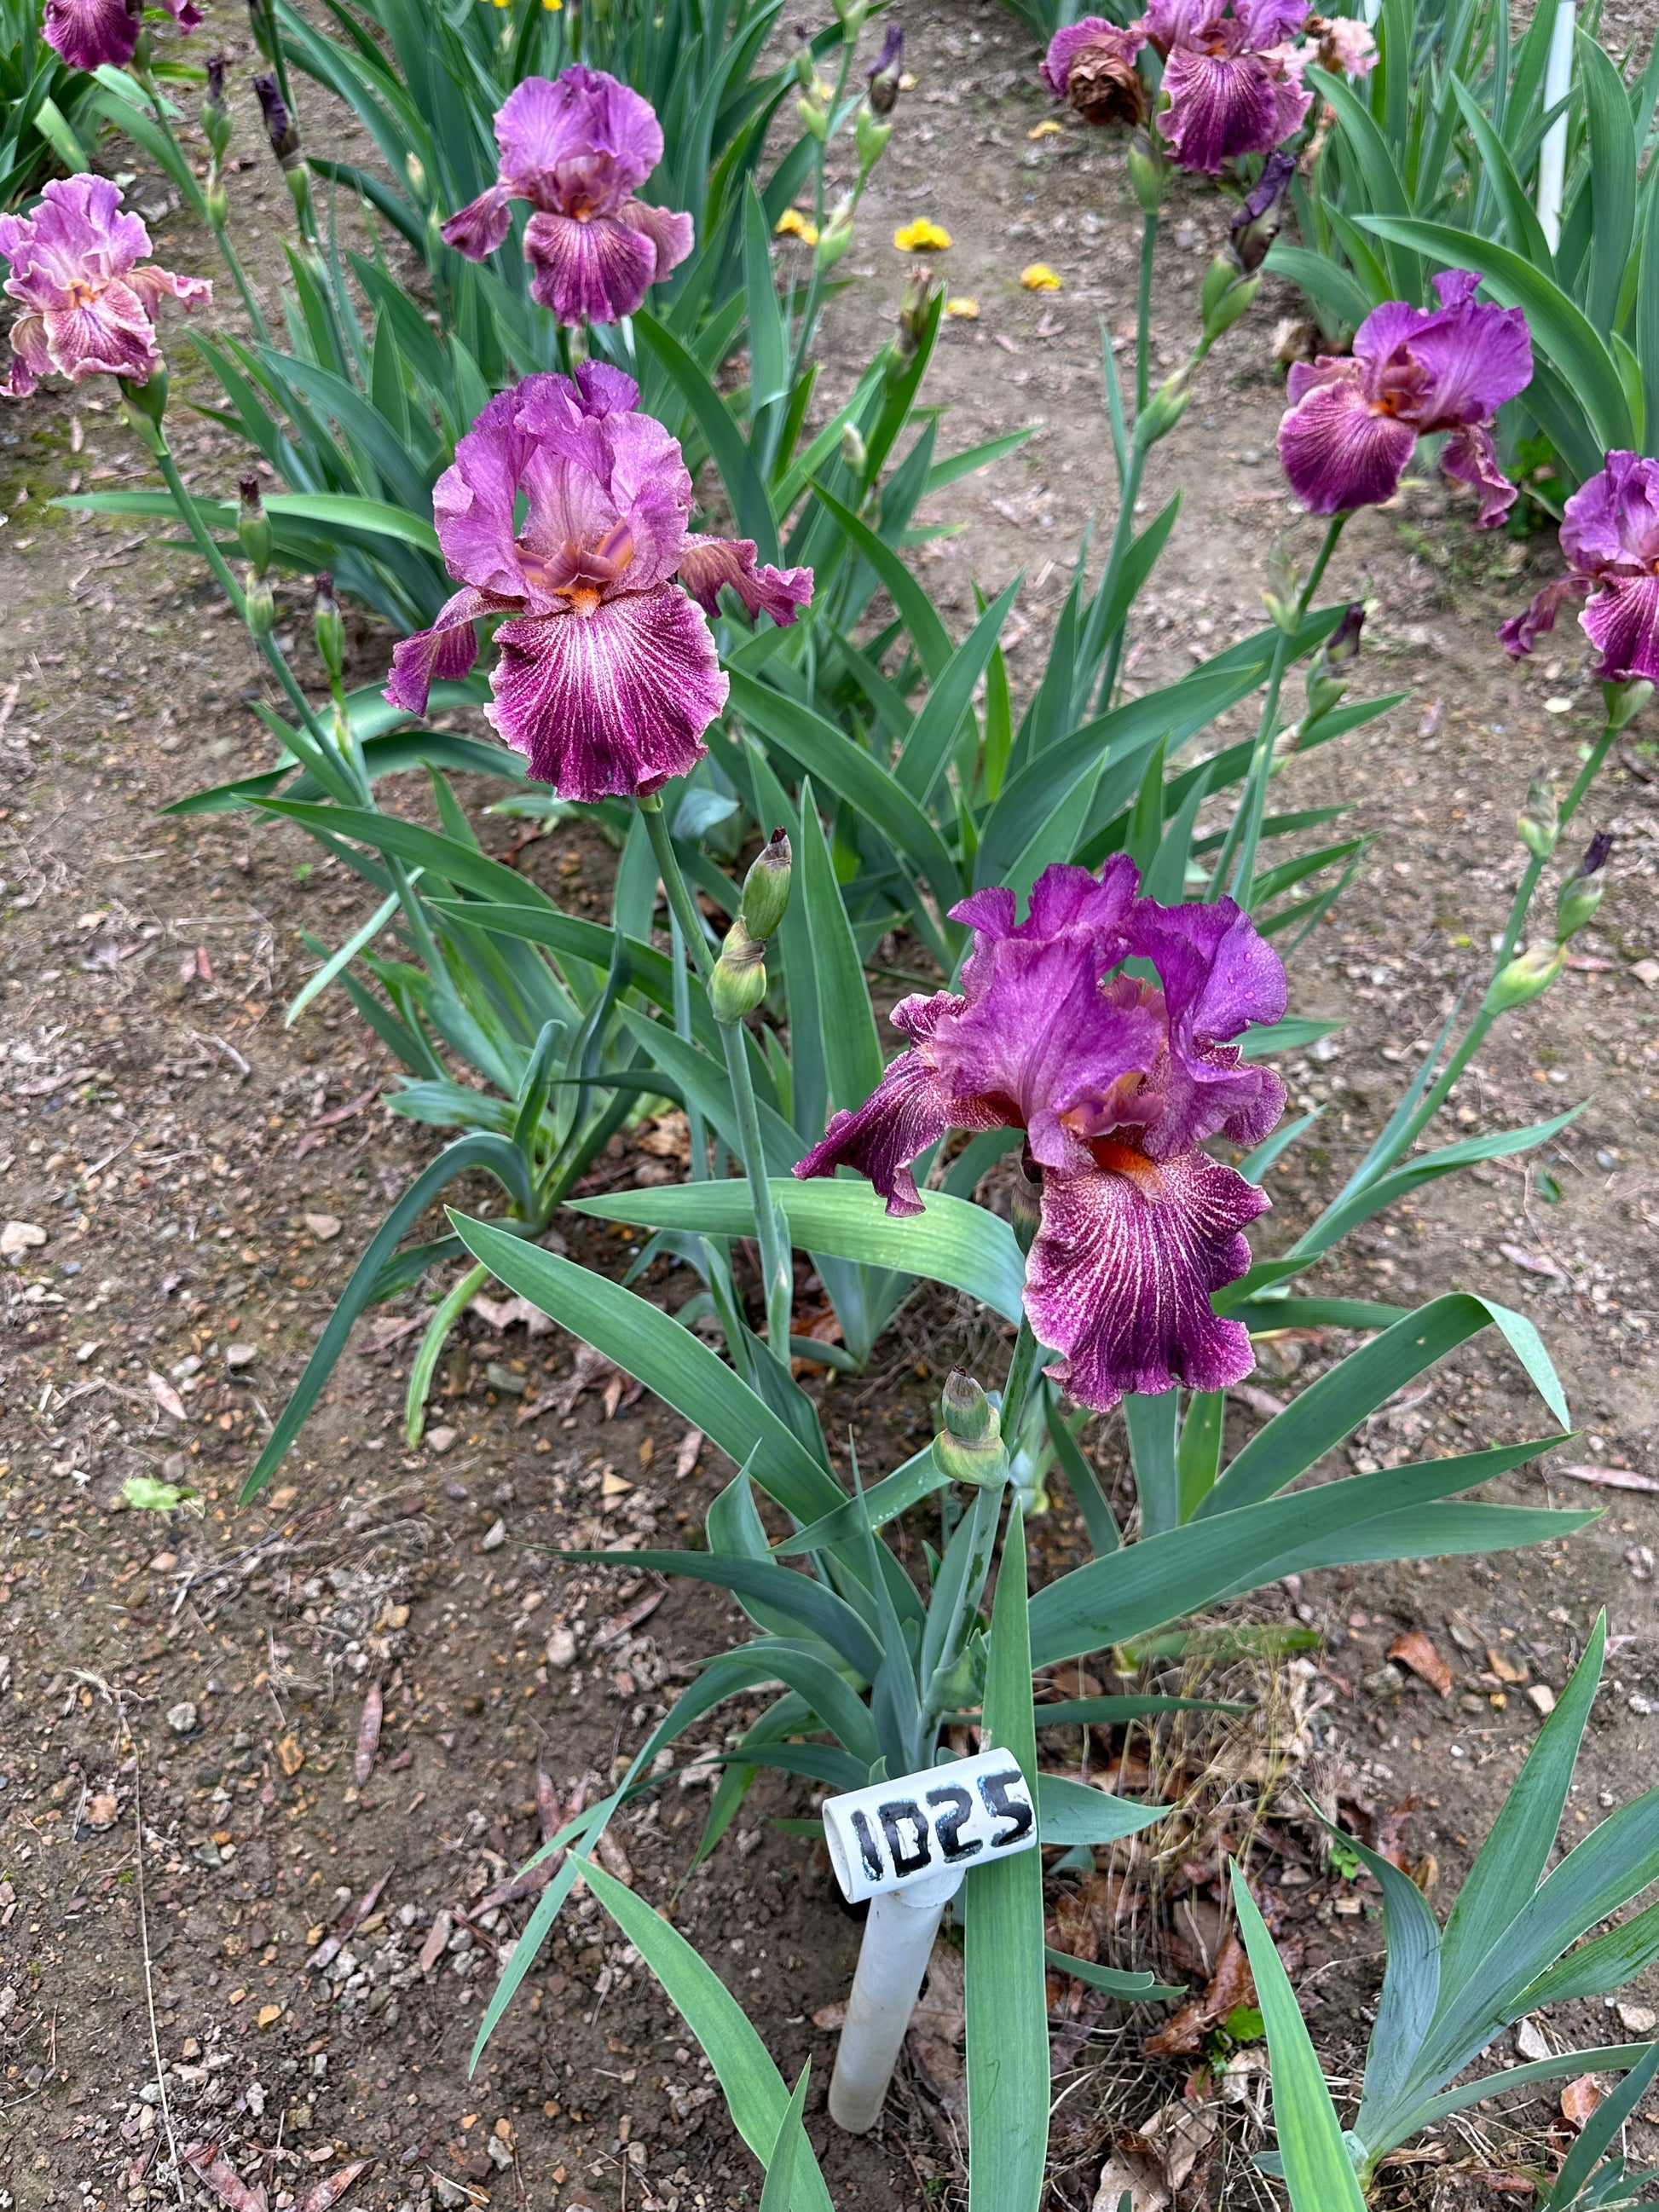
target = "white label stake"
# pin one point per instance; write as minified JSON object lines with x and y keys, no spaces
{"x":906,"y":1845}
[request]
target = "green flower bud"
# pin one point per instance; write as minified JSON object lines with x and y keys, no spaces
{"x":329,"y":629}
{"x":217,"y":121}
{"x":1219,"y":278}
{"x":805,"y":67}
{"x":1579,"y":896}
{"x":852,"y":13}
{"x":813,"y":118}
{"x":1165,"y":408}
{"x":869,"y":136}
{"x":1525,"y":978}
{"x":1146,"y":172}
{"x":854,"y":452}
{"x":1626,"y":700}
{"x":915,"y":310}
{"x":1278,"y":594}
{"x":261,"y":607}
{"x":253,"y":529}
{"x":766,"y":888}
{"x":836,"y":238}
{"x":415,"y":170}
{"x":1233,"y":303}
{"x":145,"y":405}
{"x":1538,"y":827}
{"x":1324,"y":684}
{"x":216,"y":200}
{"x":968,"y":1447}
{"x":738,"y":982}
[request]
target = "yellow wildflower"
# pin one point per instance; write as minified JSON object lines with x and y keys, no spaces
{"x":1048,"y":130}
{"x":921,"y":236}
{"x":791,"y":224}
{"x":1038,"y":277}
{"x":967,"y":310}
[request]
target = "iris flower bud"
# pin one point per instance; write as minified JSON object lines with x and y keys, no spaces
{"x":837,"y":235}
{"x":1278,"y":594}
{"x":1526,"y":977}
{"x":260,"y":25}
{"x":766,"y":888}
{"x":1255,"y":223}
{"x":253,"y":531}
{"x":1579,"y":896}
{"x":1165,"y":408}
{"x":805,"y":69}
{"x":261,"y":608}
{"x":216,"y":200}
{"x":886,"y":73}
{"x":146,"y":404}
{"x":738,"y":982}
{"x":853,"y":451}
{"x":415,"y":170}
{"x":1146,"y":172}
{"x":1233,"y":298}
{"x":1538,"y":827}
{"x":968,"y":1447}
{"x":913,"y":314}
{"x":217,"y":121}
{"x":1325,"y":686}
{"x":813,"y":117}
{"x":870,"y":136}
{"x":329,"y":627}
{"x":281,"y":128}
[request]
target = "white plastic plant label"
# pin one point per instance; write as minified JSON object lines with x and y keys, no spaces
{"x":946,"y":1819}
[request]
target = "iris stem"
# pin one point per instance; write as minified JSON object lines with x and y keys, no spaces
{"x":239,"y":275}
{"x":1144,"y":309}
{"x":1244,"y":831}
{"x":1435,"y":1097}
{"x":771,"y":1230}
{"x":1016,"y":1390}
{"x":682,"y":985}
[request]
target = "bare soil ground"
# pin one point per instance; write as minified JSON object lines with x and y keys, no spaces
{"x":179,"y":1700}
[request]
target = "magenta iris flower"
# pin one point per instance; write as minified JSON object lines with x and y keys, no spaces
{"x":89,"y":32}
{"x":1610,"y":535}
{"x":86,"y":304}
{"x":1353,"y":422}
{"x":1116,"y":1085}
{"x":1230,"y":74}
{"x":578,"y":148}
{"x":607,"y":675}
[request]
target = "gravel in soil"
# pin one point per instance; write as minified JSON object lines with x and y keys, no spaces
{"x":184,"y":1697}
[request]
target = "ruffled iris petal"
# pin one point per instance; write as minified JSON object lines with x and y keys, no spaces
{"x":708,"y":564}
{"x":1223,"y":106}
{"x":87,"y":33}
{"x":1119,"y":1275}
{"x":595,"y":272}
{"x":910,"y":1108}
{"x":1622,"y":620}
{"x":1338,"y":453}
{"x":614,"y":701}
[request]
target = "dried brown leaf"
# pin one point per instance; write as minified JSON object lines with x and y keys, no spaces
{"x":1230,"y":1984}
{"x":1412,"y":1649}
{"x":1579,"y":2098}
{"x":206,"y":2160}
{"x":332,"y":1945}
{"x":1608,"y":1478}
{"x":437,"y":1936}
{"x":166,"y":1397}
{"x":332,"y":2187}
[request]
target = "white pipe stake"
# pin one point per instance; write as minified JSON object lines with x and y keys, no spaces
{"x":1553,"y":153}
{"x":899,"y":1941}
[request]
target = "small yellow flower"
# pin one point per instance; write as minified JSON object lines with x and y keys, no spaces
{"x":1039,"y":278}
{"x":921,"y":236}
{"x":1048,"y":130}
{"x":552,"y":6}
{"x":791,"y":224}
{"x":966,"y":310}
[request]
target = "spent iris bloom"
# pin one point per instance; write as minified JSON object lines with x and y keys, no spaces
{"x":87,"y":34}
{"x":578,"y":148}
{"x":1610,"y":535}
{"x":1353,"y":422}
{"x":1091,"y":65}
{"x":86,"y":305}
{"x":606,"y":675}
{"x":1116,"y":1083}
{"x":1231,"y":74}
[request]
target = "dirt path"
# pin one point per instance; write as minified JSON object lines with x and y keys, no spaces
{"x":206,"y":1179}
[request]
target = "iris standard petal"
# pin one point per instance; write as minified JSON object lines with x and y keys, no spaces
{"x":1475,"y":357}
{"x":582,"y":133}
{"x":611,"y":701}
{"x":1119,"y":1275}
{"x":1612,"y":520}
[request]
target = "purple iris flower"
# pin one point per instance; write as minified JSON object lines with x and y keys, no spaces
{"x":1116,"y":1085}
{"x":1233,"y":83}
{"x":86,"y":304}
{"x":1353,"y":422}
{"x":1610,"y":535}
{"x":1091,"y":64}
{"x":606,"y":676}
{"x":577,"y":148}
{"x":89,"y":32}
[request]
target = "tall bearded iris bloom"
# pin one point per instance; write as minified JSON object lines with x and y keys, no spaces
{"x":578,"y":148}
{"x":1353,"y":422}
{"x":1610,"y":535}
{"x":1117,"y":1084}
{"x":1229,"y":72}
{"x":89,"y":32}
{"x":606,"y":676}
{"x":86,"y":304}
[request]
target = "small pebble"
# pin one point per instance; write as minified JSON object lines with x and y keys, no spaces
{"x":495,"y":1536}
{"x":182,"y":1717}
